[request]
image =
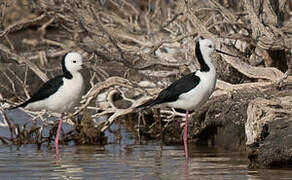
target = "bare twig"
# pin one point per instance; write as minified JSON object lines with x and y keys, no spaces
{"x":19,"y":25}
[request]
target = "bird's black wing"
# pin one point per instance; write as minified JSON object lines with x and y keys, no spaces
{"x":172,"y":92}
{"x":47,"y":89}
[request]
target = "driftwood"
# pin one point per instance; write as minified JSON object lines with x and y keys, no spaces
{"x":144,"y":45}
{"x":268,"y":130}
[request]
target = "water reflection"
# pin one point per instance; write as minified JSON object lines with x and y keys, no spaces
{"x":128,"y":159}
{"x":136,"y":161}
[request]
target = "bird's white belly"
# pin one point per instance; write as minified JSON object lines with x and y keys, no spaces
{"x":197,"y":96}
{"x":63,"y":100}
{"x":67,"y":96}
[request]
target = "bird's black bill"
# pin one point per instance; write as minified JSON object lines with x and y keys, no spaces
{"x":222,"y":52}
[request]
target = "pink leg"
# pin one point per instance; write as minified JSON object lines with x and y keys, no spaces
{"x":186,"y":135}
{"x":186,"y":170}
{"x":58,"y":135}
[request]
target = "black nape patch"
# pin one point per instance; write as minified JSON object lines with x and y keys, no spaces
{"x":204,"y":66}
{"x":67,"y":74}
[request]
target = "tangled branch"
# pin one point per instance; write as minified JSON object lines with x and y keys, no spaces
{"x":138,"y":48}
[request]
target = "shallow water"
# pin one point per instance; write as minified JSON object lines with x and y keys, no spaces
{"x":131,"y":159}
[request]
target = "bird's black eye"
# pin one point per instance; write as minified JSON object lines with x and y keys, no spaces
{"x":210,"y":46}
{"x":74,"y":61}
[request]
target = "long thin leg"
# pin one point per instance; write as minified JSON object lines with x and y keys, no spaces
{"x":58,"y":135}
{"x":186,"y":135}
{"x":186,"y":170}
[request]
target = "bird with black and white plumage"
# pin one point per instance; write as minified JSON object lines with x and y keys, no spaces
{"x":61,"y":93}
{"x":193,"y":90}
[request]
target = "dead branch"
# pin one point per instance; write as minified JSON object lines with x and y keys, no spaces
{"x":136,"y":48}
{"x":23,"y":23}
{"x":254,"y":72}
{"x":20,"y":59}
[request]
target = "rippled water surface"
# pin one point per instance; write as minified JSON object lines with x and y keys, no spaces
{"x":130,"y":159}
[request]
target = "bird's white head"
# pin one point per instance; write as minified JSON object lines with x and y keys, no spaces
{"x":204,"y":49}
{"x":72,"y":62}
{"x":207,"y":47}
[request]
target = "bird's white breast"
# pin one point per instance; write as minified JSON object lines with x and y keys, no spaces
{"x":64,"y":99}
{"x":199,"y":95}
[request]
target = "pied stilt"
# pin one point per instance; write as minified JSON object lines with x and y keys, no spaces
{"x":61,"y":93}
{"x":193,"y":90}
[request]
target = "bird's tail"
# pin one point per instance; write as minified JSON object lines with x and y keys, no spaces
{"x":147,"y":104}
{"x":20,"y":105}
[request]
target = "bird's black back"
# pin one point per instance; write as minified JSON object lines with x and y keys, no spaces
{"x":172,"y":92}
{"x":47,"y":89}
